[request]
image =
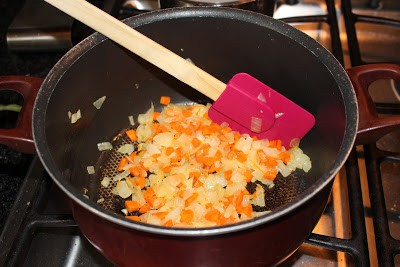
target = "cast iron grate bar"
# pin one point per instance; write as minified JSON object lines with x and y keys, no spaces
{"x":357,"y":245}
{"x":350,"y":20}
{"x":331,"y":19}
{"x":387,"y":246}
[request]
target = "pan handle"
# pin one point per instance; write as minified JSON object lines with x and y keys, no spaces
{"x":371,"y":127}
{"x":20,"y":138}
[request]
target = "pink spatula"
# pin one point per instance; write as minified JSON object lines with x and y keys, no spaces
{"x":246,"y":104}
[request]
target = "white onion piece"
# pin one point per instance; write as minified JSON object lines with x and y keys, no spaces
{"x":104,"y":146}
{"x":131,"y":120}
{"x":76,"y":116}
{"x":105,"y":182}
{"x":121,"y":175}
{"x":256,"y":124}
{"x":90,"y":169}
{"x":69,"y":114}
{"x":126,"y":149}
{"x":100,"y":200}
{"x":99,"y":102}
{"x":262,"y":98}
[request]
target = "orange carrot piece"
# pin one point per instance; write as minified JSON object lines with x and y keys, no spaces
{"x":196,"y":142}
{"x":187,"y":216}
{"x":169,"y":150}
{"x":186,"y":113}
{"x":248,"y":175}
{"x":160,"y":214}
{"x":132,"y":156}
{"x":213,"y":215}
{"x":165,"y":100}
{"x":285,"y":156}
{"x":241,"y":156}
{"x":156,"y":114}
{"x":141,"y":182}
{"x":135,"y":170}
{"x":228,"y":175}
{"x":122,"y":164}
{"x":169,"y":223}
{"x":145,"y":208}
{"x":166,"y":168}
{"x":133,"y":218}
{"x":190,"y":199}
{"x":131,"y":205}
{"x":150,"y":196}
{"x":132,"y":135}
{"x":270,"y":175}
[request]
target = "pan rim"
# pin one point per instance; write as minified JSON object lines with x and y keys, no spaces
{"x":327,"y":59}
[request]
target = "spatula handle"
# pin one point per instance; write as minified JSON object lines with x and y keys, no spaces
{"x":141,"y":45}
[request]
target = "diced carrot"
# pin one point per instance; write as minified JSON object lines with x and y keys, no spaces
{"x":156,"y":114}
{"x":160,"y":214}
{"x":190,"y":199}
{"x":270,"y":175}
{"x":194,"y":174}
{"x":131,"y":205}
{"x":166,"y":168}
{"x":169,"y":223}
{"x":247,"y":210}
{"x":285,"y":156}
{"x":132,"y":156}
{"x":196,"y":142}
{"x":213,"y":215}
{"x":169,"y":150}
{"x":206,"y":129}
{"x":122,"y":164}
{"x":186,"y":113}
{"x":187,"y":216}
{"x":132,"y":135}
{"x":141,"y":182}
{"x":145,"y":208}
{"x":241,"y":156}
{"x":150,"y":196}
{"x":228,"y":175}
{"x":218,"y":155}
{"x":135,"y":170}
{"x":165,"y":100}
{"x":248,"y":175}
{"x":133,"y":218}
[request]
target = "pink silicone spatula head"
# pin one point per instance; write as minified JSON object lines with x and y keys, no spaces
{"x":251,"y":107}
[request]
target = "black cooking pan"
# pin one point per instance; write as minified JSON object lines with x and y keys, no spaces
{"x":223,"y":42}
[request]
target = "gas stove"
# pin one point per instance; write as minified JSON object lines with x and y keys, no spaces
{"x":361,"y":223}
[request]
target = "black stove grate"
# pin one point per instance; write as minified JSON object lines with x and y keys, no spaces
{"x":386,"y":246}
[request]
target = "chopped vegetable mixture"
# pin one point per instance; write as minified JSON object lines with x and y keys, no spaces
{"x":183,"y":170}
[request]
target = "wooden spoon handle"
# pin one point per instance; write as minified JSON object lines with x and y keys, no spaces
{"x":142,"y":46}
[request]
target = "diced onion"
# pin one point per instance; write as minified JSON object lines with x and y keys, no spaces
{"x":256,"y":124}
{"x":262,"y":98}
{"x":105,"y":182}
{"x":104,"y":146}
{"x":90,"y":169}
{"x":100,"y":200}
{"x":99,"y":102}
{"x":131,"y":120}
{"x":126,"y":149}
{"x":121,"y":175}
{"x":76,"y":116}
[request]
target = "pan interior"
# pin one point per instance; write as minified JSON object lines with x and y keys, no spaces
{"x":218,"y":44}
